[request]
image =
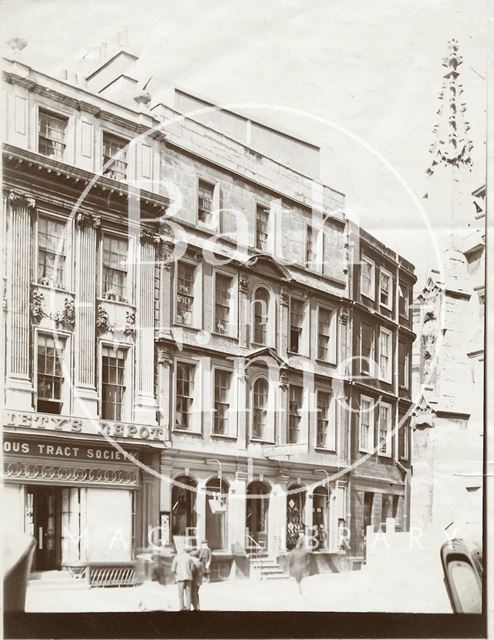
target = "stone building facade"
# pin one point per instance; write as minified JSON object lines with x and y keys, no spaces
{"x":185,"y":309}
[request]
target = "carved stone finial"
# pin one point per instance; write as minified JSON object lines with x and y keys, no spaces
{"x":452,"y":145}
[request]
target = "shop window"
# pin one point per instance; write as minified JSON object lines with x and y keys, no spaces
{"x":366,"y":430}
{"x":295,"y":413}
{"x":262,"y":222}
{"x":326,"y":427}
{"x":51,"y":135}
{"x":261,"y":307}
{"x":260,"y":413}
{"x":386,"y":289}
{"x":385,"y":351}
{"x":324,"y":350}
{"x":384,"y":429}
{"x":184,"y":395}
{"x":114,"y":157}
{"x":222,"y":385}
{"x":185,"y":293}
{"x":223,"y":293}
{"x":49,"y":374}
{"x":115,"y":260}
{"x":367,"y":277}
{"x":51,"y":252}
{"x":205,"y":193}
{"x":113,"y":383}
{"x":296,"y":324}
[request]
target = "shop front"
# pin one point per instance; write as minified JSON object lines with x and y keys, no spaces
{"x":83,"y":501}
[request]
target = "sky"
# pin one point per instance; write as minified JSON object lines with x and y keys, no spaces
{"x":363,"y":78}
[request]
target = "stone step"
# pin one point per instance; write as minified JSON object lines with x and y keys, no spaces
{"x":275,"y":576}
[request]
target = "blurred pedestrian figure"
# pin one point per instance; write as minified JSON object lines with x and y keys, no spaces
{"x":197,"y":578}
{"x":182,"y":569}
{"x":205,"y":556}
{"x":299,"y":558}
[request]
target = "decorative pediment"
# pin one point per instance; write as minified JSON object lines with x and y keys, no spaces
{"x":432,"y":289}
{"x":265,"y":354}
{"x":264,"y":264}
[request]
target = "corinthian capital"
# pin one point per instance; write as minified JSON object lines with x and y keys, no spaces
{"x":17,"y":199}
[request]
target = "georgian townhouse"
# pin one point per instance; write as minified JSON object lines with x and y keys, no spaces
{"x":183,"y":318}
{"x":382,"y":338}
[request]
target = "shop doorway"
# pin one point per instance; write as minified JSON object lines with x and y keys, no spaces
{"x":216,"y":514}
{"x":320,"y":518}
{"x":295,"y":515}
{"x":257,"y":505}
{"x":43,"y":511}
{"x":184,"y":516}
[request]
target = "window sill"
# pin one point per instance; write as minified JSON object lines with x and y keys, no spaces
{"x":261,"y":441}
{"x":369,"y":296}
{"x":118,"y":302}
{"x":321,"y":449}
{"x":385,"y":306}
{"x":54,"y":289}
{"x":330,"y":362}
{"x":224,"y":436}
{"x":179,"y":325}
{"x":228,"y":336}
{"x":189,"y":432}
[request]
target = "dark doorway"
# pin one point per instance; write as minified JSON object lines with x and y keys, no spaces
{"x":43,"y":521}
{"x":257,"y":505}
{"x":184,"y":517}
{"x":320,"y":518}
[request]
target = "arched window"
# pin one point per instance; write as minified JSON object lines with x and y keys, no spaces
{"x":259,"y":418}
{"x":261,"y":308}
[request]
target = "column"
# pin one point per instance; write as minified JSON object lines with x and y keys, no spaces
{"x":283,"y":326}
{"x":18,"y":389}
{"x":237,"y":513}
{"x":244,"y":307}
{"x":165,"y":289}
{"x":165,"y":379}
{"x":201,"y":506}
{"x":85,"y":394}
{"x":277,"y":517}
{"x":145,"y":407}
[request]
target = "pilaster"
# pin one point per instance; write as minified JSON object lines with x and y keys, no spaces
{"x":145,"y":408}
{"x":18,"y":388}
{"x":85,"y":394}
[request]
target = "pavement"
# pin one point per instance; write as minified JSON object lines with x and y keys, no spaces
{"x":353,"y":591}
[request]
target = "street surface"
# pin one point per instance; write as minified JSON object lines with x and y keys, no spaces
{"x":358,"y":591}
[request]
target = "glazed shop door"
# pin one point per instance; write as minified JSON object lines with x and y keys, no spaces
{"x":43,"y":517}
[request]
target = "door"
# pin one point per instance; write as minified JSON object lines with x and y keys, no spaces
{"x":257,"y":505}
{"x":42,"y":521}
{"x":295,"y":507}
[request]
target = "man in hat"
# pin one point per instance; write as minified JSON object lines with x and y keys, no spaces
{"x":197,"y":578}
{"x":205,"y":557}
{"x":182,"y":566}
